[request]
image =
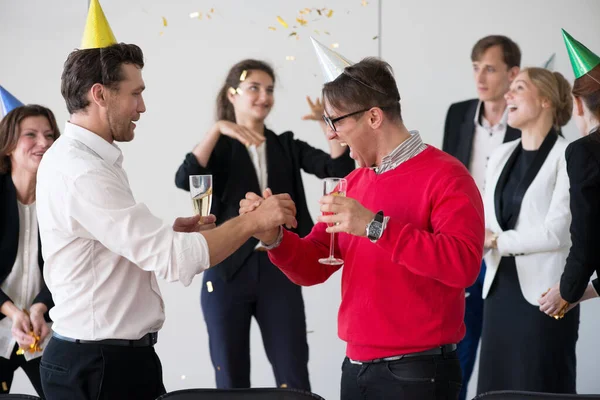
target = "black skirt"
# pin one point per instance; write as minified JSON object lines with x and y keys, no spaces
{"x":521,"y":347}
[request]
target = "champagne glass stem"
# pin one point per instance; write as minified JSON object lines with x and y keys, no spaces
{"x":331,"y":245}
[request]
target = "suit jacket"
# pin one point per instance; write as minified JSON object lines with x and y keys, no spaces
{"x":459,"y":131}
{"x":583,"y":167}
{"x":537,"y":234}
{"x":234,"y":175}
{"x":9,"y":241}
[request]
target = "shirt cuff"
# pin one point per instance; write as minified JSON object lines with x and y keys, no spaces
{"x":277,"y":242}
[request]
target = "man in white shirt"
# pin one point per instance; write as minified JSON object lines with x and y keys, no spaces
{"x":473,"y":130}
{"x":103,"y":250}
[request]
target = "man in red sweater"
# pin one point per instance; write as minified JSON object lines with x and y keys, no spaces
{"x":411,"y":234}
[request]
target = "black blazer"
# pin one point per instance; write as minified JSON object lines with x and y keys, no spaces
{"x":9,"y":241}
{"x":234,"y":175}
{"x":459,"y":131}
{"x":583,"y":167}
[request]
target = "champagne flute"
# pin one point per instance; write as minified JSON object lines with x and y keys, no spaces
{"x":201,"y":188}
{"x":335,"y":187}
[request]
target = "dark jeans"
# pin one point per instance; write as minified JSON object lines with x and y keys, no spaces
{"x":8,"y":368}
{"x":260,"y":290}
{"x":82,"y":371}
{"x":414,"y":378}
{"x":467,"y":348}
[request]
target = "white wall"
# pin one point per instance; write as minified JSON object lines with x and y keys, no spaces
{"x":427,"y":42}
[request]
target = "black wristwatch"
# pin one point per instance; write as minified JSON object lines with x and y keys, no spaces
{"x":375,"y":227}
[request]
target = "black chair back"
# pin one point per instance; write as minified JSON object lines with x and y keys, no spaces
{"x":517,"y":395}
{"x":240,"y":394}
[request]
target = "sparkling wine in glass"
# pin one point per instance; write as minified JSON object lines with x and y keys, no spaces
{"x":201,"y":189}
{"x":335,"y":187}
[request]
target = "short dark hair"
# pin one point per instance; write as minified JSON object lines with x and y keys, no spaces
{"x":225,"y":109}
{"x":84,"y":68}
{"x":587,"y":87}
{"x":369,"y":83}
{"x":9,"y":130}
{"x":511,"y":53}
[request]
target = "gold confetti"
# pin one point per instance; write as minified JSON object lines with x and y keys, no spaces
{"x":330,"y":13}
{"x":164,"y":21}
{"x":212,"y":10}
{"x":160,"y":33}
{"x":292,"y":34}
{"x":317,"y":32}
{"x":243,"y":75}
{"x":335,"y":45}
{"x":196,"y":14}
{"x":283,"y":385}
{"x":327,"y":33}
{"x":375,"y":37}
{"x":232,"y":91}
{"x":319,"y":11}
{"x":364,"y":3}
{"x":218,"y":368}
{"x":282,"y":22}
{"x":301,"y":21}
{"x":34,"y":347}
{"x":272,"y":28}
{"x":290,"y":58}
{"x":208,"y":16}
{"x":209,"y":286}
{"x":308,"y":10}
{"x":4,"y":386}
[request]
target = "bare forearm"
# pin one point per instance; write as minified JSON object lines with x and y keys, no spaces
{"x":227,"y":238}
{"x":204,"y":149}
{"x":8,"y":308}
{"x":589,"y":293}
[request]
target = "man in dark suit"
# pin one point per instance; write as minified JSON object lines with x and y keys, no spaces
{"x":473,"y":129}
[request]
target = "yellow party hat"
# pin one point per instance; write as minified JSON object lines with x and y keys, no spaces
{"x":97,"y":33}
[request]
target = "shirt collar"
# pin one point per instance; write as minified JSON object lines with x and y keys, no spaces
{"x":109,"y":152}
{"x":484,"y":123}
{"x":403,"y":152}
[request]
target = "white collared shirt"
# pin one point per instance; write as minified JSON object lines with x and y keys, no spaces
{"x":24,"y":282}
{"x":258,"y":155}
{"x":486,"y":139}
{"x":102,"y":249}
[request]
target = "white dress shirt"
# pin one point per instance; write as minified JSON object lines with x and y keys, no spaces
{"x":24,"y":282}
{"x":487,"y":139}
{"x":258,"y":155}
{"x":102,"y":249}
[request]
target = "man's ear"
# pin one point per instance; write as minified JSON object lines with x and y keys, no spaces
{"x":375,"y":116}
{"x":98,"y":94}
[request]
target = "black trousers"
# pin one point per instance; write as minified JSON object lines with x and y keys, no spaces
{"x":261,"y":290}
{"x":415,"y":378}
{"x":31,"y":369}
{"x":82,"y":371}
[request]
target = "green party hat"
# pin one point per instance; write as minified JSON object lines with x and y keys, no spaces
{"x":582,"y":58}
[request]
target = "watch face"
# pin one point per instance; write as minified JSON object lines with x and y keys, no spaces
{"x":375,"y":230}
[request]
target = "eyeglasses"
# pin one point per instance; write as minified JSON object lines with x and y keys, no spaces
{"x":331,"y":122}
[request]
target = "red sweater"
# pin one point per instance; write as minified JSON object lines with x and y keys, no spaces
{"x":404,"y":293}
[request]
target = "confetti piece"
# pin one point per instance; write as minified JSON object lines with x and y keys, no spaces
{"x":364,"y":3}
{"x":375,"y":37}
{"x":312,"y":331}
{"x":272,"y":28}
{"x":34,"y":347}
{"x":212,"y":10}
{"x":164,"y":21}
{"x":335,"y":45}
{"x":208,"y":16}
{"x":243,"y":75}
{"x":282,"y":22}
{"x":290,"y":58}
{"x":330,"y":13}
{"x":284,"y":385}
{"x":292,"y":34}
{"x":301,"y":21}
{"x":196,"y":14}
{"x":160,"y":33}
{"x":218,"y":368}
{"x":4,"y":386}
{"x":327,"y":33}
{"x":319,"y":12}
{"x":308,"y":10}
{"x":209,"y":285}
{"x":317,"y":32}
{"x":183,"y":377}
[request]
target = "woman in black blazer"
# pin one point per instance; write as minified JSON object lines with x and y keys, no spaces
{"x":244,"y":156}
{"x":26,"y":133}
{"x":583,"y":167}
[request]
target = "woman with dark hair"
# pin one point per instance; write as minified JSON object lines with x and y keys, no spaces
{"x":583,"y":167}
{"x":526,"y":204}
{"x":26,"y":133}
{"x":243,"y":155}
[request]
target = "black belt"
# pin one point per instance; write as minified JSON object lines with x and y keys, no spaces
{"x":147,"y":340}
{"x":437,"y":351}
